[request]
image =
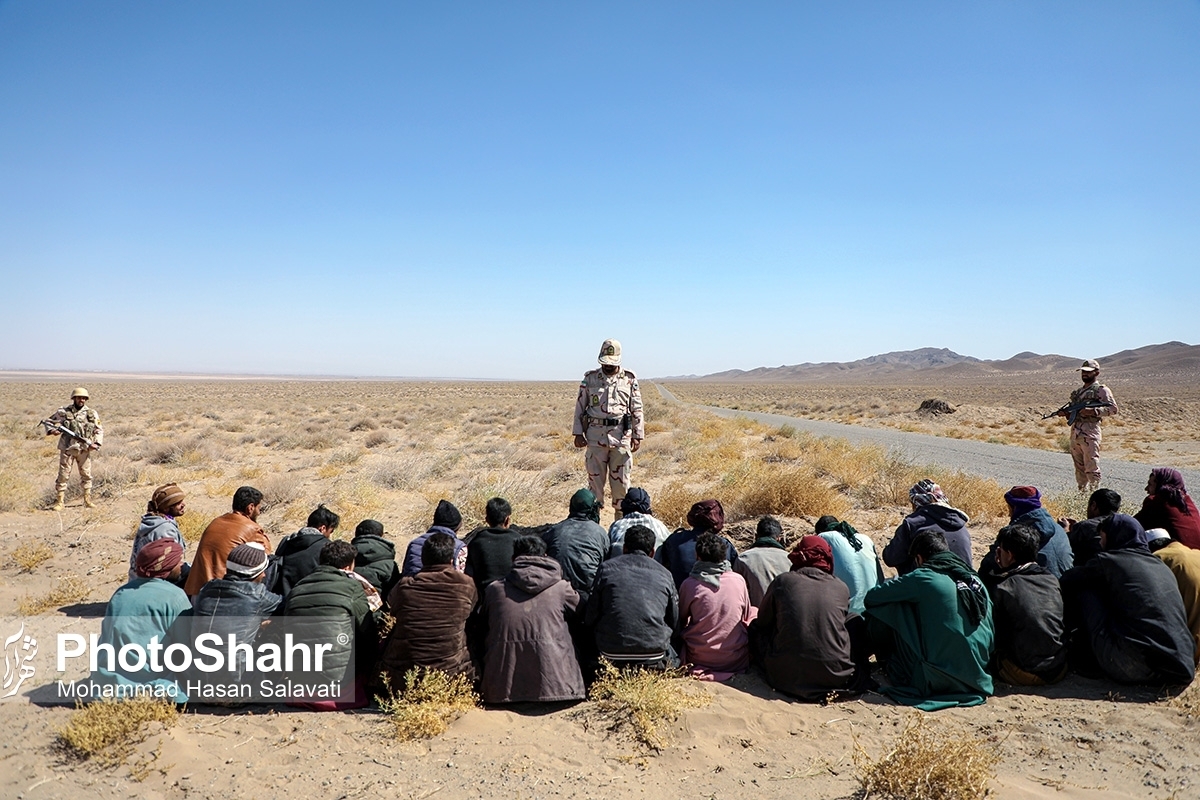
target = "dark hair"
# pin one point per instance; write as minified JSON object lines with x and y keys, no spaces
{"x":927,"y":544}
{"x":338,"y":554}
{"x":245,"y":497}
{"x":529,"y":546}
{"x":769,"y":526}
{"x":437,"y":549}
{"x":710,"y":547}
{"x":1106,"y":502}
{"x":496,"y":511}
{"x":639,"y":539}
{"x":323,"y":517}
{"x":1022,"y":541}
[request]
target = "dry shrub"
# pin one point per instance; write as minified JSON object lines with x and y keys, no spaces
{"x":279,"y":489}
{"x":429,"y":702}
{"x":927,"y":762}
{"x":191,"y":525}
{"x":1187,"y":702}
{"x":108,"y":730}
{"x":753,"y":488}
{"x":405,"y":471}
{"x":672,"y":503}
{"x":377,"y":438}
{"x":645,"y":700}
{"x":364,"y":424}
{"x":70,"y":589}
{"x":15,"y":491}
{"x":29,"y":557}
{"x":191,"y":452}
{"x":111,"y":476}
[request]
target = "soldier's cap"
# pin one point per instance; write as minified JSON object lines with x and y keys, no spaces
{"x":610,"y":353}
{"x":80,"y":392}
{"x":1090,"y":365}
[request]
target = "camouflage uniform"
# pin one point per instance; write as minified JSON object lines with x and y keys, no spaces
{"x":84,"y":422}
{"x":608,"y":413}
{"x":1085,"y":433}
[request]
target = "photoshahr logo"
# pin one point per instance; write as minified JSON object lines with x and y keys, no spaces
{"x":19,"y":651}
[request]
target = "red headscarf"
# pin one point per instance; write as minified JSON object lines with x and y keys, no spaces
{"x":707,"y":515}
{"x":157,"y":559}
{"x":812,"y":551}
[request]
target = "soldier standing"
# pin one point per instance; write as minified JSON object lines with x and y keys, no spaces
{"x":608,"y":422}
{"x":1085,"y":429}
{"x":83,"y":422}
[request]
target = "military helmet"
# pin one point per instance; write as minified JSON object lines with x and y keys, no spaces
{"x":80,"y":392}
{"x":610,"y":353}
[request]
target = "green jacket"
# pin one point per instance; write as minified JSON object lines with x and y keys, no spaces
{"x":376,"y":562}
{"x":325,"y":604}
{"x":937,"y":657}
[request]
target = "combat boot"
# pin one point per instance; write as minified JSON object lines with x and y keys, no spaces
{"x":58,"y":502}
{"x":87,"y":498}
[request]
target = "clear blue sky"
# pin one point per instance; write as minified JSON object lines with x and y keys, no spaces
{"x":490,"y":190}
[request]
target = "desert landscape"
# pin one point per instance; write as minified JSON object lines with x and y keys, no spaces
{"x":391,"y":450}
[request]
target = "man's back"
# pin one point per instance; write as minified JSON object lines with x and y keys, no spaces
{"x":490,"y":555}
{"x":634,"y":606}
{"x":222,"y":535}
{"x":431,"y":610}
{"x":580,"y":546}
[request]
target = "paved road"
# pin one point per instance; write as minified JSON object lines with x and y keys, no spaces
{"x":1009,"y":465}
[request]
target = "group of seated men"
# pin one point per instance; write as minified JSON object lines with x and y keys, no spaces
{"x":528,"y":614}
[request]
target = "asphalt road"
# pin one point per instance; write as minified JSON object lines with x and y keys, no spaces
{"x":1009,"y":465}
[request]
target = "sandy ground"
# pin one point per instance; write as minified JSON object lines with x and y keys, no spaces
{"x":1080,"y":739}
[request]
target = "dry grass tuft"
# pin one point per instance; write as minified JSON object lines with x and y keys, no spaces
{"x":108,"y":730}
{"x":429,"y":702}
{"x":754,"y":488}
{"x":15,"y":491}
{"x":645,"y":700}
{"x":29,"y":557}
{"x":928,"y":763}
{"x":1187,"y":702}
{"x":71,"y":589}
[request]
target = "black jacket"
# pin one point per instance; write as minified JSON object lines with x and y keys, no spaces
{"x":1027,"y":614}
{"x":633,"y":606}
{"x":298,"y":556}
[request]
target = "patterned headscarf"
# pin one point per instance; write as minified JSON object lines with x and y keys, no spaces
{"x":1169,"y":484}
{"x":925,"y":493}
{"x":707,"y":515}
{"x":164,"y":499}
{"x":812,"y":551}
{"x":157,"y":559}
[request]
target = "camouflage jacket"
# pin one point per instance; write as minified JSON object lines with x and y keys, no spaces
{"x":608,"y":410}
{"x":1096,"y":392}
{"x":82,"y":421}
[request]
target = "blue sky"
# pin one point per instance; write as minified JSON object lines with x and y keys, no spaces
{"x":490,"y":190}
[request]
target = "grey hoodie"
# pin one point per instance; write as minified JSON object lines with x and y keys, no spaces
{"x":153,"y":527}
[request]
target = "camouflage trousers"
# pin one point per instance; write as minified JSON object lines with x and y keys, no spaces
{"x":82,"y":458}
{"x":613,"y":463}
{"x":1085,"y":452}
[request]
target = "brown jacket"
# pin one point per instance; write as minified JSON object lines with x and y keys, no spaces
{"x":220,"y":537}
{"x":431,"y":610}
{"x":530,"y":656}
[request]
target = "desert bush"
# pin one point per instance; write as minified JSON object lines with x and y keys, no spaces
{"x":672,"y":503}
{"x":191,"y":525}
{"x":70,"y":589}
{"x":32,"y":555}
{"x":364,"y":424}
{"x":377,"y":438}
{"x":927,"y":762}
{"x":428,"y":703}
{"x":279,"y":489}
{"x":15,"y":491}
{"x":405,"y":471}
{"x":108,"y":730}
{"x":112,"y":476}
{"x":645,"y":700}
{"x":753,"y":488}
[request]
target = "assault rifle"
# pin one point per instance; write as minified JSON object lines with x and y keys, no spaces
{"x":1071,"y":410}
{"x":54,"y":427}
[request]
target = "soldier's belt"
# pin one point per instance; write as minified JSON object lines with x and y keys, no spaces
{"x":609,"y":421}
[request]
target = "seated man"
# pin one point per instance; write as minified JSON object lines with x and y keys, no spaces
{"x":376,"y":559}
{"x":146,"y":609}
{"x":714,"y":612}
{"x":490,"y":553}
{"x":931,"y":512}
{"x":1054,"y":549}
{"x":855,"y":561}
{"x":764,"y":560}
{"x":530,"y":656}
{"x":1125,"y":611}
{"x":1168,"y":505}
{"x":299,"y":553}
{"x":446,"y":519}
{"x":808,"y":640}
{"x":1184,"y":562}
{"x":1084,"y":535}
{"x":635,"y":510}
{"x":1027,"y":611}
{"x":678,"y":552}
{"x":578,"y":543}
{"x":237,"y":603}
{"x":329,"y":605}
{"x":165,"y":505}
{"x":223,"y":534}
{"x":932,"y":629}
{"x":633,"y":607}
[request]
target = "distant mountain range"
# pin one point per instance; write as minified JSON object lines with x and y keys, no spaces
{"x":1172,"y":358}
